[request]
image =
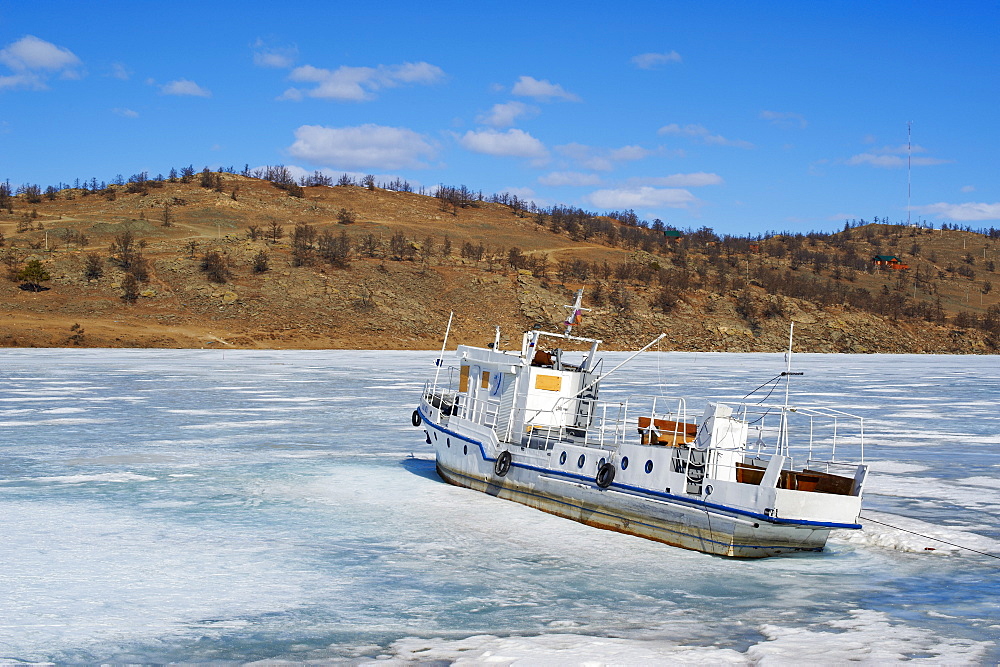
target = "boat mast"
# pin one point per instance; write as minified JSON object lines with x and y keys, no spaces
{"x":783,"y":432}
{"x":440,"y":359}
{"x":788,"y":359}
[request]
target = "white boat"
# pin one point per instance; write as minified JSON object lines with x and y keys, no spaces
{"x":529,"y":426}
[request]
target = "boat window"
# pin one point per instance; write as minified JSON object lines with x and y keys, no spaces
{"x":465,"y":449}
{"x":484,"y":380}
{"x":581,"y":461}
{"x":447,"y":441}
{"x":649,"y":466}
{"x":463,"y":379}
{"x":562,"y":458}
{"x":601,"y":462}
{"x":624,"y":462}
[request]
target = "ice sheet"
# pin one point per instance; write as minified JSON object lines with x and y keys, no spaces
{"x":195,"y":506}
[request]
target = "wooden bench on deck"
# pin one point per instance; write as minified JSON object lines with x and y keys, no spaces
{"x":666,"y":432}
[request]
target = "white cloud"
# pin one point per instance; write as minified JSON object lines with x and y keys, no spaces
{"x":32,"y":53}
{"x":504,"y":115}
{"x":693,"y":180}
{"x":894,"y":157}
{"x":357,"y":84}
{"x":601,"y":159}
{"x":701,"y":133}
{"x":280,"y":57}
{"x":628,"y":153}
{"x":653,"y":60}
{"x":120,"y":71}
{"x":888,"y":161}
{"x":361,"y":147}
{"x":512,"y":143}
{"x":643,"y":197}
{"x":784,"y":118}
{"x":542,"y":90}
{"x":414,"y":73}
{"x":184,"y":87}
{"x":33,"y":61}
{"x":30,"y":81}
{"x":968,"y":188}
{"x":570,"y":178}
{"x":126,"y":113}
{"x":969,"y":211}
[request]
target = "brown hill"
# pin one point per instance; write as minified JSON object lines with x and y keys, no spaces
{"x":388,"y":281}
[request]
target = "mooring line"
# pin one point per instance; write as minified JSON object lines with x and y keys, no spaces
{"x":912,"y":532}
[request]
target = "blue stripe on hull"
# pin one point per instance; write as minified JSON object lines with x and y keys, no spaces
{"x":600,"y":517}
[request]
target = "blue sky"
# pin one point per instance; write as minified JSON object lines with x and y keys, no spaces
{"x":739,"y":116}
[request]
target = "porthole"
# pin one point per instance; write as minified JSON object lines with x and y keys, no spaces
{"x":447,"y":441}
{"x":465,"y":449}
{"x":435,"y":436}
{"x":649,"y":466}
{"x":562,"y":458}
{"x":580,"y":461}
{"x":600,"y":463}
{"x":624,"y":462}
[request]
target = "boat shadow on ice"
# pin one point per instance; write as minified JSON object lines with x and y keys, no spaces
{"x":422,"y":468}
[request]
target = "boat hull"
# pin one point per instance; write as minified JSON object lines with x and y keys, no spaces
{"x":676,"y":524}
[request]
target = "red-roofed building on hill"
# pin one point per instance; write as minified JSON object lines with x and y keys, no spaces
{"x":889,"y":262}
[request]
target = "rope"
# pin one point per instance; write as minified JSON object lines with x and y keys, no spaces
{"x":776,"y":377}
{"x":951,"y":544}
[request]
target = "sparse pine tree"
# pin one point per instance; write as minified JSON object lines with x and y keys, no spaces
{"x":261,"y":262}
{"x":34,"y":274}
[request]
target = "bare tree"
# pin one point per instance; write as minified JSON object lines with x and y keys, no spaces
{"x":93,"y":266}
{"x":214,"y":266}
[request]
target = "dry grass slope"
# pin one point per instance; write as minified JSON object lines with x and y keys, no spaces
{"x":386,"y":281}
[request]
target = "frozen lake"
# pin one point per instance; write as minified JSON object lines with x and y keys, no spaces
{"x":160,"y":506}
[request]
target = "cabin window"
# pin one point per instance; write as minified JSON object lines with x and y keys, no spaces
{"x":562,"y":458}
{"x":548,"y":382}
{"x":463,"y":379}
{"x":447,"y":441}
{"x":624,"y":463}
{"x":484,"y":381}
{"x":580,"y":461}
{"x":649,"y":467}
{"x":465,"y":449}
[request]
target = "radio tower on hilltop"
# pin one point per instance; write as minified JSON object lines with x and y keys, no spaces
{"x":909,"y":151}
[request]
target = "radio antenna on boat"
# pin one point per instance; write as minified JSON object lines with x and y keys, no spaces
{"x":576,"y":312}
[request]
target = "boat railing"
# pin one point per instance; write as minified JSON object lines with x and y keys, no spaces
{"x":665,"y":420}
{"x":809,"y":434}
{"x":591,"y":423}
{"x":485,"y":411}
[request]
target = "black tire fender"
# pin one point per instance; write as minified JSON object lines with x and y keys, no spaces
{"x":415,"y":418}
{"x":502,"y":465}
{"x":605,"y":475}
